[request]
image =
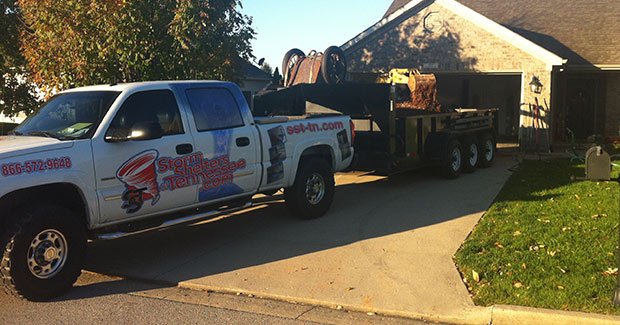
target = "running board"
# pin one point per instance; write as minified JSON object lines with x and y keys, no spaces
{"x":173,"y":222}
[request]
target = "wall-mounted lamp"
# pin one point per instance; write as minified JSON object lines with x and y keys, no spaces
{"x":535,"y":85}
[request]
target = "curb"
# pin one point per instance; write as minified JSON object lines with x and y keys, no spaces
{"x":509,"y":314}
{"x":477,"y":315}
{"x":474,"y":316}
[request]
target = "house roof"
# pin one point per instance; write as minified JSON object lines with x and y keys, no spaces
{"x":248,"y":71}
{"x":584,"y":32}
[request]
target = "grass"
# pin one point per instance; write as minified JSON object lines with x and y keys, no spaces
{"x":546,"y":242}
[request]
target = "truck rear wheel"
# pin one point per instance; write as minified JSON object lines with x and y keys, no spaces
{"x":487,"y":149}
{"x":44,"y":253}
{"x":452,"y":160}
{"x":471,"y":154}
{"x":312,"y":192}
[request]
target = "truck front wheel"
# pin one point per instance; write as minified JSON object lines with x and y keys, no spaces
{"x":44,"y":252}
{"x":312,"y":192}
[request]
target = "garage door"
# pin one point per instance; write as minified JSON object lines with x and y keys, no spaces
{"x":484,"y":91}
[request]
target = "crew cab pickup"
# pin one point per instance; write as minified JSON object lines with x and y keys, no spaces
{"x":103,"y":162}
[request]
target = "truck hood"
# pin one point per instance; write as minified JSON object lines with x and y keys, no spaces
{"x":13,"y":146}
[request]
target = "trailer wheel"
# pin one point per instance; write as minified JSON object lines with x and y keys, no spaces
{"x":44,"y":253}
{"x":333,"y":66}
{"x":471,"y":155}
{"x":452,"y":160}
{"x":312,"y":192}
{"x":290,"y":59}
{"x":487,"y":149}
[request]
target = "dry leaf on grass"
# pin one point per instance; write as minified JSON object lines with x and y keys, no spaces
{"x":517,"y":284}
{"x":475,"y":275}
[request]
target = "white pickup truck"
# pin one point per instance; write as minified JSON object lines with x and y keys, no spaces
{"x":104,"y":162}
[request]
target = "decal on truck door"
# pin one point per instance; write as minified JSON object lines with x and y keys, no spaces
{"x":215,"y":176}
{"x":211,"y":190}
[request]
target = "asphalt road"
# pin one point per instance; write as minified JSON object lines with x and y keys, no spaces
{"x":99,"y":299}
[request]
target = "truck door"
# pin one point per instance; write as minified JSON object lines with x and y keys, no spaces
{"x":229,"y":145}
{"x":136,"y":178}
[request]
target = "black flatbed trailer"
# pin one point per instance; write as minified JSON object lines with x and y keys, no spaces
{"x":390,"y":139}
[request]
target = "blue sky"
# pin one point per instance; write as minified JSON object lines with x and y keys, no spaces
{"x":281,"y":25}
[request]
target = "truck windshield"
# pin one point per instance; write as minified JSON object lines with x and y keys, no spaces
{"x":69,"y":116}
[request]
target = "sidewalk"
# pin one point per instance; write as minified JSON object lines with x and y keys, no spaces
{"x":386,"y":246}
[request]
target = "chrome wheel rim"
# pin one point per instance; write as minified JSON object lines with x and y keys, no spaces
{"x":456,"y":159}
{"x":47,"y":253}
{"x":473,"y":154}
{"x":489,"y":150}
{"x":315,"y":188}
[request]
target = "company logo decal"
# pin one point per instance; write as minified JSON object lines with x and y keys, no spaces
{"x":140,"y":179}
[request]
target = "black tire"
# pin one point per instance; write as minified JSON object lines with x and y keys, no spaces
{"x":471,"y":154}
{"x":487,"y":145}
{"x":49,"y":241}
{"x":333,"y":66}
{"x":312,"y":171}
{"x":290,"y":58}
{"x":452,"y":159}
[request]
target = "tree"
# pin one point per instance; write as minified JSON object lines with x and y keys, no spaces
{"x":17,"y":94}
{"x":266,"y":68}
{"x":276,"y":77}
{"x":79,"y":42}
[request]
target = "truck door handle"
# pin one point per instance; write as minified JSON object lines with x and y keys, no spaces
{"x":184,"y":148}
{"x":243,"y":141}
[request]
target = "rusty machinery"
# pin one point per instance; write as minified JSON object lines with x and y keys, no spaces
{"x":328,"y":67}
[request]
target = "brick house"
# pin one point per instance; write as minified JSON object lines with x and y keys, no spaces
{"x":489,"y":53}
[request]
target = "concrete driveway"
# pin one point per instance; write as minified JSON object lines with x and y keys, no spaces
{"x":385,"y":246}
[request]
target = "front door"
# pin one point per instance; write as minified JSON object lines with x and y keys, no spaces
{"x":133,"y":178}
{"x":580,"y":108}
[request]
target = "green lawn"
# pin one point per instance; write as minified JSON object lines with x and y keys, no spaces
{"x":546,"y":242}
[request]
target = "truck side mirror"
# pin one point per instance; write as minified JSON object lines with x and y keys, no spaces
{"x":598,"y":164}
{"x":142,"y":131}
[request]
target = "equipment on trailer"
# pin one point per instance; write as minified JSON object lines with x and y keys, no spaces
{"x":329,"y":67}
{"x":415,"y":90}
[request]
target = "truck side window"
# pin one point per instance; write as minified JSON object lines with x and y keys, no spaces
{"x":158,"y":106}
{"x":214,"y":109}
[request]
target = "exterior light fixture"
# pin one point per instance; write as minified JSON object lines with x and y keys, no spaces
{"x":535,"y":85}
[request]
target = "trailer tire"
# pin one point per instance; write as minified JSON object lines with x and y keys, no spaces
{"x":312,"y":192}
{"x":44,"y":253}
{"x":487,"y":147}
{"x":452,"y":159}
{"x":471,"y":155}
{"x":290,"y":58}
{"x":333,"y":66}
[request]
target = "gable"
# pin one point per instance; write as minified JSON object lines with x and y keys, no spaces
{"x":465,"y":41}
{"x":454,"y":44}
{"x":584,"y":32}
